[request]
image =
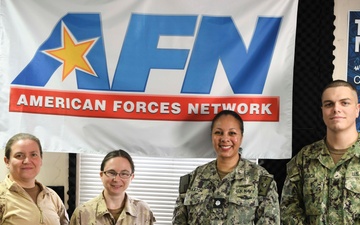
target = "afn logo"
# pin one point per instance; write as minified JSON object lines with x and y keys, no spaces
{"x":77,"y":44}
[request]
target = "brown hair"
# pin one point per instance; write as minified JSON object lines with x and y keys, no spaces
{"x":118,"y":153}
{"x":339,"y":83}
{"x":18,"y":137}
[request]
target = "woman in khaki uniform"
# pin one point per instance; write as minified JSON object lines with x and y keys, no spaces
{"x":24,"y":200}
{"x":114,"y":206}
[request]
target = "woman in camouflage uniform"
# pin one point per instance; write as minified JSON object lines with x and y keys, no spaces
{"x":229,"y":190}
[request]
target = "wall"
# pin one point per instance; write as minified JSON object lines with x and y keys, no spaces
{"x":341,"y":23}
{"x":54,"y":171}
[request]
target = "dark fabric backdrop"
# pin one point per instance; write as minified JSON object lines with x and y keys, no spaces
{"x":313,"y":69}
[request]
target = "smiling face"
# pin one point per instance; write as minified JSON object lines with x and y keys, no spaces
{"x":24,"y":162}
{"x":116,"y":186}
{"x":226,"y":136}
{"x":340,"y":109}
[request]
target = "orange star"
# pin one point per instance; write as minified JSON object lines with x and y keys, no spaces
{"x":73,"y":55}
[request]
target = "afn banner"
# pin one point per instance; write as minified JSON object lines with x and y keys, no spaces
{"x":147,"y":76}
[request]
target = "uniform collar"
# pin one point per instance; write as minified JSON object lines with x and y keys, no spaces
{"x":237,"y":173}
{"x":129,"y":208}
{"x":13,"y":186}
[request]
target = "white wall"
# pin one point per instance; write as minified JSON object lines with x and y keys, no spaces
{"x":54,"y":171}
{"x":341,"y":23}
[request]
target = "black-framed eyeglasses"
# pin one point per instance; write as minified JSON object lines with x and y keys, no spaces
{"x":112,"y":174}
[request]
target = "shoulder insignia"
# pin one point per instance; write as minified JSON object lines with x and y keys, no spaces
{"x":264,"y":185}
{"x":184,"y":183}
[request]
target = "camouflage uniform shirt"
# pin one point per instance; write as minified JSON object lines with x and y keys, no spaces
{"x":18,"y":208}
{"x":95,"y":212}
{"x":316,"y":191}
{"x":247,"y":195}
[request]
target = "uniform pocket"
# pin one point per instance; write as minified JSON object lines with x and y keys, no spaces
{"x":313,"y":190}
{"x":352,"y":201}
{"x":193,"y":198}
{"x":197,"y":203}
{"x":243,"y":205}
{"x":244,"y":195}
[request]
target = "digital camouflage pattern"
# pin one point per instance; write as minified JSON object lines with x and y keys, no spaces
{"x":234,"y":200}
{"x":316,"y":191}
{"x":95,"y":212}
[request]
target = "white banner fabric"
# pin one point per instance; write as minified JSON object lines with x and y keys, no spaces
{"x":147,"y":76}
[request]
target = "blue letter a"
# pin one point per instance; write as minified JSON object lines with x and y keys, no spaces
{"x":42,"y":66}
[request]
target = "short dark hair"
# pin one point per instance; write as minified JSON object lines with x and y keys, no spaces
{"x":117,"y":153}
{"x":18,"y":137}
{"x":338,"y":83}
{"x":231,"y":113}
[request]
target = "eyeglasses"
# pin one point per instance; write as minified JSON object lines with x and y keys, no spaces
{"x":112,"y":174}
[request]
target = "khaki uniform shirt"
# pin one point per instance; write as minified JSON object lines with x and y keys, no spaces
{"x":95,"y":212}
{"x":18,"y":208}
{"x":248,"y":195}
{"x":316,"y":191}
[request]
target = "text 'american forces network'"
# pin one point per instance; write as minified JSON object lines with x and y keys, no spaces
{"x":144,"y":107}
